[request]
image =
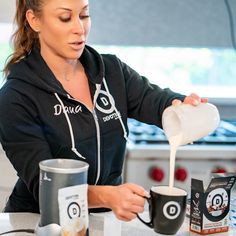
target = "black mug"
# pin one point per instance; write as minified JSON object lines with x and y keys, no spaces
{"x":167,"y":208}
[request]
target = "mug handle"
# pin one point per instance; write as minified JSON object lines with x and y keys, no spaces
{"x":149,"y":224}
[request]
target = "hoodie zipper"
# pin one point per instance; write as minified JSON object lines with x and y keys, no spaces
{"x":93,"y":112}
{"x":98,"y":145}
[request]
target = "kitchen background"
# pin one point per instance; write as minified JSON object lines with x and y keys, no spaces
{"x":186,"y":45}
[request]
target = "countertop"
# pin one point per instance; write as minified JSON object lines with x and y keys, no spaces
{"x":103,"y":224}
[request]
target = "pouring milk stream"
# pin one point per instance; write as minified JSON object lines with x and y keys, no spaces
{"x":185,"y":124}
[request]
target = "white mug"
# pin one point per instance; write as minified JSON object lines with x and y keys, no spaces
{"x":190,"y":122}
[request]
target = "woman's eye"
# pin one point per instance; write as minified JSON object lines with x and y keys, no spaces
{"x":84,"y":17}
{"x":64,"y":19}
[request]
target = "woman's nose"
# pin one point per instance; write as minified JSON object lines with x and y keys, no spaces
{"x":78,"y":26}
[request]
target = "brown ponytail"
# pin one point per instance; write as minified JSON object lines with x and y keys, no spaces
{"x":24,"y":38}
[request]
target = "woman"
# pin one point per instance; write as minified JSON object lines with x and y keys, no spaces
{"x":63,"y":99}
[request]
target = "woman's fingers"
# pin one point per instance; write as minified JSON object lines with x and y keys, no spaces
{"x":176,"y":102}
{"x":194,"y":99}
{"x":127,"y":216}
{"x":137,"y":209}
{"x":204,"y":100}
{"x":130,"y":213}
{"x":128,"y":200}
{"x":138,"y":190}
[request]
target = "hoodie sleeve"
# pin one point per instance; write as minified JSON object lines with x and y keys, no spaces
{"x":22,"y":138}
{"x":146,"y":101}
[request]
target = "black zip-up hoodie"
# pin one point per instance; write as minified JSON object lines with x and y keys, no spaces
{"x":39,"y":120}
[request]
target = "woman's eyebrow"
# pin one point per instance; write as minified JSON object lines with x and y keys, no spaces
{"x":68,"y":9}
{"x":63,"y":8}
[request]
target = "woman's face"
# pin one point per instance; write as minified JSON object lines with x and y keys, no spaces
{"x":63,"y":28}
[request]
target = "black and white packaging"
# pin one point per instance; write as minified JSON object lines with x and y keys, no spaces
{"x":73,"y":210}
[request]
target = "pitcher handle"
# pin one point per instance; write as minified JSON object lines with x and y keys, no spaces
{"x":149,"y":224}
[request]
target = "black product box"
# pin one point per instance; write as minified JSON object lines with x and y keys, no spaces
{"x":209,"y":208}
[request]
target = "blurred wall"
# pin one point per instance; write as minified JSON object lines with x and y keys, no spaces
{"x":7,"y":10}
{"x":161,"y":22}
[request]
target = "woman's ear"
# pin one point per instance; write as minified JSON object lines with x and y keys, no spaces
{"x":33,"y":20}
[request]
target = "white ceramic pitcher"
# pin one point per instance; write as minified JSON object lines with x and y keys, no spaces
{"x":191,"y":122}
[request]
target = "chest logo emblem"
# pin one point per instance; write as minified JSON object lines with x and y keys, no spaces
{"x":105,"y":102}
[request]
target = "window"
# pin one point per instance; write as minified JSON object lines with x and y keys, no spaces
{"x":5,"y":48}
{"x":210,"y":72}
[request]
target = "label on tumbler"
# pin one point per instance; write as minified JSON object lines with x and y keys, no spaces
{"x":73,"y":210}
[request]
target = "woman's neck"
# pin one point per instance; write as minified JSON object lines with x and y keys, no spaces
{"x":62,"y":68}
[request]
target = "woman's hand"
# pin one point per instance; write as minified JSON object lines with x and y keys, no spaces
{"x":125,"y":200}
{"x":193,"y":99}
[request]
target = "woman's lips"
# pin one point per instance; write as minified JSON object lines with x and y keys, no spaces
{"x":77,"y":45}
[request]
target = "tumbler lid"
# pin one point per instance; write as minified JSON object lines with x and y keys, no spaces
{"x":66,"y":166}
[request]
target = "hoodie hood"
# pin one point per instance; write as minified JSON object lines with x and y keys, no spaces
{"x":33,"y":70}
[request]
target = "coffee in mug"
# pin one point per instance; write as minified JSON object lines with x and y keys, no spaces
{"x":167,"y":208}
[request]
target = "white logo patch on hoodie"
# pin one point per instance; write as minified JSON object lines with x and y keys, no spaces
{"x":106,"y":105}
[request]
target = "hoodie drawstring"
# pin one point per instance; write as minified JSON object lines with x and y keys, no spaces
{"x":73,"y":148}
{"x":116,"y":111}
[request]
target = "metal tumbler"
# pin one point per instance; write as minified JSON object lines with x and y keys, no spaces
{"x":56,"y":174}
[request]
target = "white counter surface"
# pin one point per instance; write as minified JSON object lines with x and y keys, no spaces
{"x":15,"y":221}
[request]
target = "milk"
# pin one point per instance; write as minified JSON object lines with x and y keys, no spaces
{"x":175,"y":142}
{"x":166,"y":190}
{"x":184,"y":123}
